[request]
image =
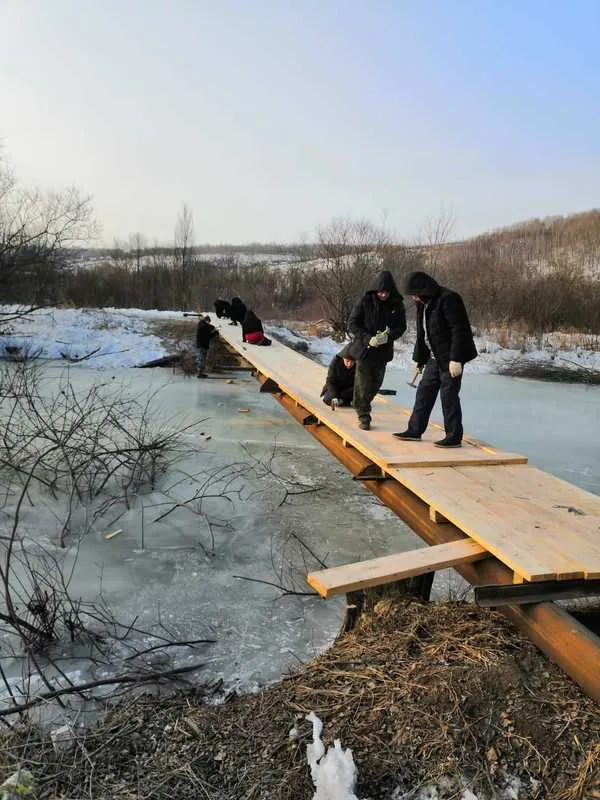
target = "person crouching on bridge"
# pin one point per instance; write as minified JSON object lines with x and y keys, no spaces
{"x":204,"y":333}
{"x":223,"y":310}
{"x":376,"y":321}
{"x":339,"y":384}
{"x":252,"y":329}
{"x":444,"y":344}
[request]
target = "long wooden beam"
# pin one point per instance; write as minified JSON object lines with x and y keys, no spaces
{"x":567,"y":642}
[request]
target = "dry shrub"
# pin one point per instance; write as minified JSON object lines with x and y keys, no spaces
{"x":419,"y":691}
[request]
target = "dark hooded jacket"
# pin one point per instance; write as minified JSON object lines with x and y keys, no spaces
{"x":448,"y":327}
{"x":222,"y":308}
{"x":238,"y":310}
{"x":204,"y":332}
{"x":339,"y":378}
{"x":370,"y":315}
{"x":250,"y":322}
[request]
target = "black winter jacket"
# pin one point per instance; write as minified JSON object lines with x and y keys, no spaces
{"x":204,"y":333}
{"x":448,"y":327}
{"x":251,"y":323}
{"x":240,"y":313}
{"x":339,"y":377}
{"x":371,"y":315}
{"x":222,"y":308}
{"x":237,"y":311}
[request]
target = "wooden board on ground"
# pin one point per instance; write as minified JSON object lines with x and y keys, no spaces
{"x":387,"y":569}
{"x":303,"y":379}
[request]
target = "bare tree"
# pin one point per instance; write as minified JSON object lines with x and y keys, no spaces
{"x":137,"y":245}
{"x":184,"y":243}
{"x":348,"y":252}
{"x":35,"y":227}
{"x":436,"y":232}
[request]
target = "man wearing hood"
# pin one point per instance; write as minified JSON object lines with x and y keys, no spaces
{"x":339,"y":384}
{"x":444,"y":344}
{"x":376,"y":321}
{"x":205,"y":332}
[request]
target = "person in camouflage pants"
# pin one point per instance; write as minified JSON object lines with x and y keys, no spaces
{"x":367,"y":382}
{"x":376,"y":321}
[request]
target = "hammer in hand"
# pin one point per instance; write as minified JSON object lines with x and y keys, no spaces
{"x":413,"y":381}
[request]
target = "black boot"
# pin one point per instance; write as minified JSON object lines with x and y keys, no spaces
{"x":365,"y":424}
{"x":448,"y":442}
{"x":407,"y":436}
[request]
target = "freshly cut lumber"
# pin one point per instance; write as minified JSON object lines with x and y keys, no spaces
{"x":387,"y":569}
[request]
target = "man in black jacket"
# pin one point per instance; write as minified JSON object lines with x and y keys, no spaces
{"x":339,"y":384}
{"x":204,"y":333}
{"x":444,"y":344}
{"x":376,"y":321}
{"x":223,"y":310}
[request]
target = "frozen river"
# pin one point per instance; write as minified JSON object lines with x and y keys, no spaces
{"x":169,"y":570}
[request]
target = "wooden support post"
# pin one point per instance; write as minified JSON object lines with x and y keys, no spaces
{"x":269,"y":386}
{"x":370,"y":473}
{"x":435,"y":516}
{"x":310,"y":419}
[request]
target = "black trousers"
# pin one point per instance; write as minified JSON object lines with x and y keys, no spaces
{"x":345,"y":396}
{"x":367,"y":382}
{"x":434,"y":381}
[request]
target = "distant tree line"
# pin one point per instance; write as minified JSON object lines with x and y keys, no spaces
{"x":540,"y":276}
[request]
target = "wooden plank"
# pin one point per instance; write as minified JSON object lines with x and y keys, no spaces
{"x":575,"y":536}
{"x":540,"y":541}
{"x":303,"y":379}
{"x":377,"y":571}
{"x":475,"y":520}
{"x":536,"y":483}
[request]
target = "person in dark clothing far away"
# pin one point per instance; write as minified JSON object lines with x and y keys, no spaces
{"x":204,"y":333}
{"x":339,"y":384}
{"x":237,"y":310}
{"x":223,"y":310}
{"x":444,"y":345}
{"x":376,"y":321}
{"x":252,"y":329}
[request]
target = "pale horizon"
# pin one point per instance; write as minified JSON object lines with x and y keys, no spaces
{"x":269,"y":120}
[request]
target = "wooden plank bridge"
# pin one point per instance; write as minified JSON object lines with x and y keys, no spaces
{"x":486,"y":512}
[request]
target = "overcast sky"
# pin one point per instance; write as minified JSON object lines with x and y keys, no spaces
{"x":270,"y":117}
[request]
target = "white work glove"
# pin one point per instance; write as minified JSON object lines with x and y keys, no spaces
{"x":380,"y":338}
{"x":417,"y":368}
{"x":335,"y":403}
{"x":455,"y":369}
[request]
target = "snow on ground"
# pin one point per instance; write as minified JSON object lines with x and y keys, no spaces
{"x":119,"y":337}
{"x":124,"y":338}
{"x":557,"y":349}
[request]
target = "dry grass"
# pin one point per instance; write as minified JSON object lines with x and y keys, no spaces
{"x":176,"y":330}
{"x":418,"y":691}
